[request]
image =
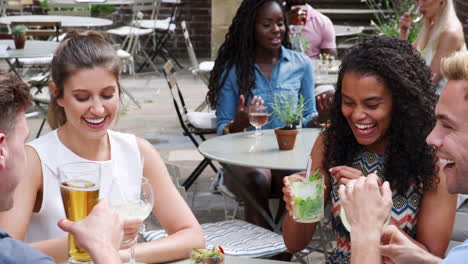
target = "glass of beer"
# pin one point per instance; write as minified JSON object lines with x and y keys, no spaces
{"x":79,"y":186}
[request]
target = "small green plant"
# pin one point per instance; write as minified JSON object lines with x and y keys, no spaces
{"x":289,"y":108}
{"x":19,"y":30}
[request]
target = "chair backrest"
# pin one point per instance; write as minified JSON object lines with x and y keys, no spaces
{"x":41,"y":28}
{"x":140,"y":7}
{"x":188,"y":43}
{"x":11,"y":7}
{"x":69,"y":9}
{"x":174,"y":172}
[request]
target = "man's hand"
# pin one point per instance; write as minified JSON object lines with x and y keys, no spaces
{"x":367,"y":205}
{"x":101,"y":230}
{"x":398,"y":248}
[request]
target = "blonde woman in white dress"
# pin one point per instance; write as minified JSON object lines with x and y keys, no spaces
{"x":441,"y":34}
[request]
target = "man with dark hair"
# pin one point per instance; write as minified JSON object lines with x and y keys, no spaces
{"x":367,"y":213}
{"x":100,"y":233}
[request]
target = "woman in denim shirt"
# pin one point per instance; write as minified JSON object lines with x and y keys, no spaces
{"x":253,"y":64}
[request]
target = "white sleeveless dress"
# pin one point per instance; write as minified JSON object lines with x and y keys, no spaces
{"x":428,"y":55}
{"x":119,"y":177}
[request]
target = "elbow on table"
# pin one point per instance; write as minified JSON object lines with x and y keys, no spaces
{"x":294,"y":246}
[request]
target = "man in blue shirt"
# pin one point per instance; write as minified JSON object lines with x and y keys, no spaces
{"x":100,"y":233}
{"x":367,"y":205}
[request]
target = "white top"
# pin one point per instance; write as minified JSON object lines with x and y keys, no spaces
{"x":123,"y":168}
{"x":428,"y":55}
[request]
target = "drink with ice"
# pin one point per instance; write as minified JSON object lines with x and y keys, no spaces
{"x":308,"y":199}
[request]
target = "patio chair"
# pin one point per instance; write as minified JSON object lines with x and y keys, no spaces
{"x":193,"y":123}
{"x":163,"y":29}
{"x":38,"y":29}
{"x":200,"y":70}
{"x":197,"y":69}
{"x":11,"y":7}
{"x":131,"y":34}
{"x":236,"y":237}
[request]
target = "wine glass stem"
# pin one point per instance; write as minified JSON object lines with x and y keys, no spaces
{"x":257,"y":131}
{"x":132,"y":255}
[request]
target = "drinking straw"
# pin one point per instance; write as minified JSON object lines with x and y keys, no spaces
{"x":309,"y":166}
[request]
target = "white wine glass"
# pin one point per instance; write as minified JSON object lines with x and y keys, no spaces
{"x":258,"y":117}
{"x":138,"y":208}
{"x":415,"y":14}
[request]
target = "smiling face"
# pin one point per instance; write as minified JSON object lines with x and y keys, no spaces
{"x":13,"y":160}
{"x":450,"y":134}
{"x":91,"y":101}
{"x":269,"y":27}
{"x":367,"y":105}
{"x":429,"y":8}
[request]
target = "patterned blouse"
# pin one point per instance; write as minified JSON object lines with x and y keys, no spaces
{"x":405,"y":207}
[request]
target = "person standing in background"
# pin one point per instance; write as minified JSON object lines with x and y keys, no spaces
{"x":318,"y":29}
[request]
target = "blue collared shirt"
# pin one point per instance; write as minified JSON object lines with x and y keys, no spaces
{"x":457,"y":255}
{"x":14,"y":251}
{"x":293,"y":73}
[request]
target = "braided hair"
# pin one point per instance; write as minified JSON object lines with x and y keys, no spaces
{"x":238,"y":50}
{"x":401,"y":69}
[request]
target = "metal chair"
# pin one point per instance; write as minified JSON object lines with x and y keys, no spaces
{"x":131,"y":33}
{"x":193,"y":123}
{"x":163,"y":29}
{"x":39,"y":29}
{"x":236,"y":237}
{"x":199,"y":70}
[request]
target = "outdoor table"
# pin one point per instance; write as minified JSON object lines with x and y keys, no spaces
{"x":67,"y":21}
{"x":32,"y":49}
{"x":345,"y":31}
{"x":243,"y":149}
{"x":237,"y":260}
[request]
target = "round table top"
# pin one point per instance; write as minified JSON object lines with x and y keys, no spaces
{"x":32,"y":49}
{"x":67,"y":21}
{"x":245,"y":150}
{"x":343,"y":31}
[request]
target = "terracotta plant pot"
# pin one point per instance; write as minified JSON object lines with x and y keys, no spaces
{"x":286,"y":138}
{"x":19,"y":41}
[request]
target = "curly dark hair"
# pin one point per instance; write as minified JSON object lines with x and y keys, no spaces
{"x":401,"y":69}
{"x":238,"y":50}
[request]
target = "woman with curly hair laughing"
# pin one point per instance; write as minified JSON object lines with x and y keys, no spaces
{"x":382,"y":111}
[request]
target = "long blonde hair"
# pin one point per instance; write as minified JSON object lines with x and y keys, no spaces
{"x":445,"y":14}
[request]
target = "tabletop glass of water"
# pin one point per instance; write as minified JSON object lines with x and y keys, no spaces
{"x":136,"y":208}
{"x":258,"y":117}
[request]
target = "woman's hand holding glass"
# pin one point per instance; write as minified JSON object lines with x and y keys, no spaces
{"x":134,"y":212}
{"x":288,"y":195}
{"x":242,"y":119}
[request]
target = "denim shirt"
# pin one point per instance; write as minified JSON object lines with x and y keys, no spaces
{"x":14,"y":251}
{"x":293,"y":73}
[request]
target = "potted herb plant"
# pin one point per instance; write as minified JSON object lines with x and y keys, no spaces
{"x":19,"y":35}
{"x":289,"y":108}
